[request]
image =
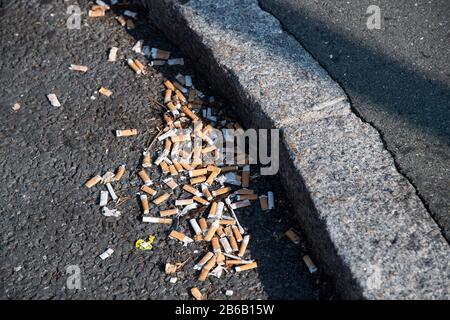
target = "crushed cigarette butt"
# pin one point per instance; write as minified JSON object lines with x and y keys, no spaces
{"x":106,"y":254}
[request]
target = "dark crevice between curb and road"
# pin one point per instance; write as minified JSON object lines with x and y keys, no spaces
{"x":360,"y":116}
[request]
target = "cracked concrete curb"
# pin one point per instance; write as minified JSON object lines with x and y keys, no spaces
{"x":371,"y":232}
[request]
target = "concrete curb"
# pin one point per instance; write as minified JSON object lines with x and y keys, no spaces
{"x":370,"y":230}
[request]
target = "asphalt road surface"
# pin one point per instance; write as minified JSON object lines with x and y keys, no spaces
{"x":50,"y":221}
{"x":397,"y":78}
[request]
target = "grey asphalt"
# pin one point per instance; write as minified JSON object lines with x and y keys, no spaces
{"x":50,"y":221}
{"x":397,"y":78}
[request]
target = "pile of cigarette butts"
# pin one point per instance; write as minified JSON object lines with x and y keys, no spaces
{"x":208,"y":193}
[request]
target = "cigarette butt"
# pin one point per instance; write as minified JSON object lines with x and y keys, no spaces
{"x":198,"y":180}
{"x":233,"y":243}
{"x":96,"y":12}
{"x":103,"y":198}
{"x":221,"y":191}
{"x":228,"y":231}
{"x":237,"y":233}
{"x":178,"y":166}
{"x":111,"y":191}
{"x":219,"y":210}
{"x":149,"y":190}
{"x":164,"y":167}
{"x":145,"y":178}
{"x":105,"y":92}
{"x":126,"y":133}
{"x":203,"y":225}
{"x":134,"y":66}
{"x":167,"y":213}
{"x":189,"y":113}
{"x":203,"y":261}
{"x":212,"y":210}
{"x":186,"y":166}
{"x":144,"y":203}
{"x":180,"y":96}
{"x":212,"y":230}
{"x":220,"y":258}
{"x":168,"y":119}
{"x":244,"y":192}
{"x":198,"y":172}
{"x":181,"y":138}
{"x":168,"y":96}
{"x":226,"y":245}
{"x":241,"y":204}
{"x":106,"y":254}
{"x":293,"y":236}
{"x":264,"y":203}
{"x":245,"y":267}
{"x":220,"y":232}
{"x":120,"y":173}
{"x":194,"y":224}
{"x":208,"y":266}
{"x":180,"y":236}
{"x":271,"y":200}
{"x":169,"y":85}
{"x":230,"y":262}
{"x":191,"y":190}
{"x":157,"y":220}
{"x":172,"y":109}
{"x":161,"y":199}
{"x":310,"y":264}
{"x":75,"y":67}
{"x":227,"y":222}
{"x":160,"y":54}
{"x":93,"y":181}
{"x":196,"y":294}
{"x":171,"y":183}
{"x":112,"y":57}
{"x":244,"y":245}
{"x":184,"y":202}
{"x":208,"y":149}
{"x":215,"y":244}
{"x":200,"y":200}
{"x":242,"y":197}
{"x":140,"y":65}
{"x":53,"y":100}
{"x":206,"y":192}
{"x":146,"y":162}
{"x":246,"y":176}
{"x":121,"y":20}
{"x":173,"y":170}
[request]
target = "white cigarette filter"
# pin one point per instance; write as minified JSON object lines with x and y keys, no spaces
{"x":157,"y":220}
{"x":169,"y":212}
{"x":53,"y":100}
{"x":106,"y":254}
{"x":144,"y":202}
{"x":244,"y":245}
{"x":263,"y":201}
{"x":184,"y":202}
{"x":195,"y":226}
{"x":103,"y":198}
{"x":226,"y":245}
{"x":111,"y":191}
{"x":219,"y":211}
{"x":75,"y":67}
{"x":310,"y":264}
{"x":113,"y":54}
{"x":271,"y":200}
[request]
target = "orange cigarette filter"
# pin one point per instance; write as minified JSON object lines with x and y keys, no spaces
{"x":178,"y":166}
{"x":247,"y":266}
{"x":212,"y":230}
{"x":93,"y":181}
{"x":196,"y":294}
{"x":167,"y":213}
{"x":252,"y":197}
{"x":186,"y":166}
{"x":220,"y":258}
{"x":161,"y":198}
{"x":164,"y":167}
{"x":132,"y":64}
{"x":191,"y":189}
{"x":220,"y":232}
{"x":213,"y":210}
{"x":180,"y":96}
{"x":169,"y":85}
{"x":208,"y":149}
{"x":215,"y":244}
{"x":245,"y":191}
{"x":126,"y":133}
{"x":168,"y":96}
{"x":204,"y":260}
{"x":120,"y":173}
{"x":200,"y":200}
{"x":237,"y":233}
{"x":206,"y":192}
{"x":221,"y":191}
{"x":148,"y":190}
{"x":228,"y":231}
{"x":233,"y":243}
{"x":173,"y":170}
{"x":181,"y":138}
{"x":105,"y":92}
{"x":198,"y":172}
{"x":198,"y":180}
{"x":145,"y":178}
{"x":140,"y":65}
{"x":146,"y":162}
{"x":189,"y":113}
{"x":177,"y":235}
{"x":231,"y":262}
{"x":172,"y":107}
{"x":205,"y":271}
{"x":167,"y":145}
{"x":227,"y":222}
{"x":121,"y":20}
{"x":203,"y":225}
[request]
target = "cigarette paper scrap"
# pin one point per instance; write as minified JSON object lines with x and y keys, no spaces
{"x":53,"y":100}
{"x":106,"y":254}
{"x":75,"y":67}
{"x":16,"y":107}
{"x":110,"y":212}
{"x":105,"y":92}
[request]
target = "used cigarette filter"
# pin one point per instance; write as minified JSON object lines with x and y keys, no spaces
{"x":271,"y":200}
{"x":169,"y":85}
{"x":200,"y":200}
{"x":186,"y":166}
{"x":180,"y":236}
{"x":241,"y":204}
{"x":244,"y":191}
{"x":220,"y":258}
{"x":93,"y":181}
{"x":189,"y":113}
{"x":145,"y":178}
{"x":120,"y":173}
{"x":310,"y":264}
{"x":233,"y":243}
{"x":160,"y":54}
{"x":134,"y":66}
{"x":146,"y":162}
{"x":220,"y":232}
{"x":105,"y":92}
{"x":121,"y":20}
{"x":227,"y":222}
{"x":171,"y":183}
{"x":173,"y":170}
{"x":226,"y":245}
{"x":168,"y":96}
{"x":212,"y":210}
{"x":264,"y":203}
{"x":144,"y":202}
{"x":206,"y":192}
{"x":170,"y":212}
{"x":246,"y":176}
{"x":195,"y":226}
{"x":183,"y":202}
{"x":219,"y":211}
{"x":53,"y":100}
{"x":198,"y":180}
{"x":75,"y":67}
{"x":242,"y":197}
{"x":237,"y":233}
{"x":106,"y":254}
{"x":192,"y":190}
{"x":203,"y":261}
{"x":203,"y":225}
{"x":198,"y":172}
{"x":293,"y":236}
{"x":244,"y":245}
{"x":164,"y":167}
{"x":212,"y":230}
{"x":113,"y":54}
{"x":103,"y":198}
{"x":221,"y":191}
{"x":196,"y":294}
{"x":245,"y":267}
{"x":149,"y":190}
{"x":215,"y":244}
{"x":208,"y":266}
{"x":161,"y":199}
{"x":178,"y":166}
{"x":181,"y":137}
{"x":126,"y":133}
{"x":157,"y":220}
